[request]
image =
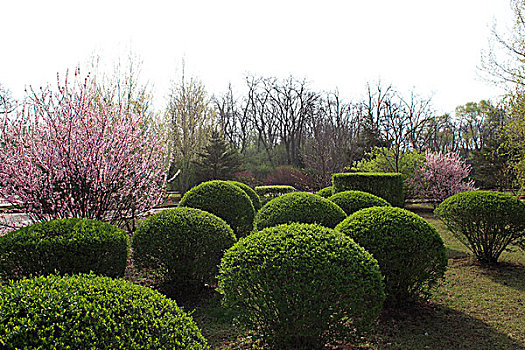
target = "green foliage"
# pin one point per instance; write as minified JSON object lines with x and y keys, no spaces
{"x":65,"y":245}
{"x":485,"y":222}
{"x":301,"y":285}
{"x":299,"y":207}
{"x":325,"y":192}
{"x":410,"y":252}
{"x":256,"y":201}
{"x":267,"y":193}
{"x":217,"y":160}
{"x":388,"y":186}
{"x":225,"y":200}
{"x":352,"y":201}
{"x":91,"y":312}
{"x":182,"y":247}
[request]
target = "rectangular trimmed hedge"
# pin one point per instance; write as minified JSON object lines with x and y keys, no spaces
{"x":388,"y":186}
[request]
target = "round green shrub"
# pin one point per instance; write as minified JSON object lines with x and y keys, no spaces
{"x":225,"y":200}
{"x":485,"y":222}
{"x":91,"y":312}
{"x":256,"y":201}
{"x":182,"y":247}
{"x":410,"y":252}
{"x":352,"y":201}
{"x":66,"y":245}
{"x":325,"y":192}
{"x":299,"y":207}
{"x":301,"y":285}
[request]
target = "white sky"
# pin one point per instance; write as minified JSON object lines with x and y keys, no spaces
{"x":431,"y":46}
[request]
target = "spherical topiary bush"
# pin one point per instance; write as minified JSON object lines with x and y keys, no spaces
{"x":352,"y":201}
{"x":256,"y":200}
{"x":65,"y":245}
{"x":325,"y":192}
{"x":225,"y":200}
{"x":410,"y":252}
{"x":485,"y":222}
{"x":299,"y":207}
{"x":91,"y":312}
{"x":301,"y":285}
{"x":182,"y":247}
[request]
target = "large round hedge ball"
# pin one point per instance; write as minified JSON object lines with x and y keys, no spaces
{"x":325,"y":192}
{"x":299,"y":207}
{"x":352,"y":201}
{"x":225,"y":200}
{"x":410,"y":252}
{"x":486,"y":222}
{"x":91,"y":312}
{"x":64,"y":245}
{"x":256,"y":200}
{"x":300,"y":286}
{"x":183,"y":247}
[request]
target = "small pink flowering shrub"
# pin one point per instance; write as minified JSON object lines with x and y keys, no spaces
{"x":71,"y":153}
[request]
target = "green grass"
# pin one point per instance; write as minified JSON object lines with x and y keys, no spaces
{"x":476,"y":307}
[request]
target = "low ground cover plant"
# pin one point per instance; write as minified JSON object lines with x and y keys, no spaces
{"x":225,"y":200}
{"x":410,"y":252}
{"x":352,"y":201}
{"x":64,"y":245}
{"x":182,"y":248}
{"x":299,"y":207}
{"x":299,"y":286}
{"x":91,"y":312}
{"x":485,"y":222}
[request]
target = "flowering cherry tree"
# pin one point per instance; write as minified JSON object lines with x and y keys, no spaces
{"x":71,"y":153}
{"x":441,"y":176}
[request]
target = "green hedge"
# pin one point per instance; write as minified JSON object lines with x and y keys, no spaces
{"x":65,"y":245}
{"x":325,"y":192}
{"x":299,"y":207}
{"x":485,"y":222}
{"x":182,"y":247}
{"x":91,"y":312}
{"x":410,"y":252}
{"x":388,"y":186}
{"x":299,"y":286}
{"x":225,"y":200}
{"x":352,"y":201}
{"x":256,"y":201}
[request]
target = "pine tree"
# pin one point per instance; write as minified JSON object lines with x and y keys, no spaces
{"x":217,"y":161}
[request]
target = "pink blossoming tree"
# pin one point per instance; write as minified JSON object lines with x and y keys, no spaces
{"x":71,"y":153}
{"x":441,"y":176}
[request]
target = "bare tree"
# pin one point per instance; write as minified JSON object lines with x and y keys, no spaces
{"x":7,"y":102}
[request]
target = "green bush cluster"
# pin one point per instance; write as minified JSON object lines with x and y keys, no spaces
{"x":410,"y":252}
{"x":388,"y":186}
{"x":352,"y":201}
{"x":90,"y":312}
{"x":225,"y":200}
{"x":301,"y":285}
{"x":485,"y":222}
{"x":325,"y":192}
{"x":299,"y":207}
{"x":182,"y":247}
{"x":65,"y":245}
{"x":256,"y":201}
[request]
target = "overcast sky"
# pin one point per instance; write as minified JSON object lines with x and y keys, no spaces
{"x":431,"y":46}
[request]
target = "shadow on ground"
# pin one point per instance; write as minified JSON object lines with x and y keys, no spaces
{"x":510,"y":275}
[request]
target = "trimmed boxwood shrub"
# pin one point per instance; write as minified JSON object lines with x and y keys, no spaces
{"x":325,"y":192}
{"x":299,"y":207}
{"x":256,"y":201}
{"x":66,"y":245}
{"x":91,"y":312}
{"x":225,"y":200}
{"x":485,"y":222}
{"x":301,"y":285}
{"x":182,"y":247}
{"x":410,"y":252}
{"x":352,"y":201}
{"x":388,"y":186}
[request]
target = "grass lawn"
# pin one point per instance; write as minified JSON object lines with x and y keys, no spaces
{"x":476,"y":307}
